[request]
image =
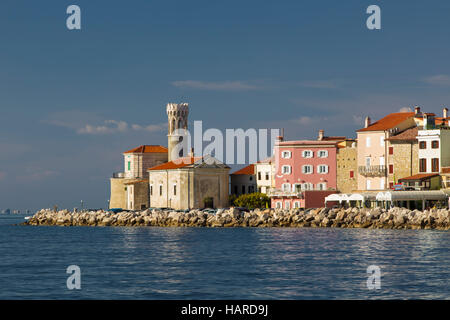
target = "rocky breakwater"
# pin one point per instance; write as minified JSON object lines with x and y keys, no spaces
{"x":395,"y":218}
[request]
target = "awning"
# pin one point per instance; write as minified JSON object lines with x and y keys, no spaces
{"x":411,"y":195}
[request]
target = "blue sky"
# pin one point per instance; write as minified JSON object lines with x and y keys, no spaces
{"x":300,"y":65}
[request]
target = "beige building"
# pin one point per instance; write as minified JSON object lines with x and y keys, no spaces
{"x":264,"y":170}
{"x":136,"y":163}
{"x":373,"y":149}
{"x":402,"y":156}
{"x":189,"y":182}
{"x":347,"y":167}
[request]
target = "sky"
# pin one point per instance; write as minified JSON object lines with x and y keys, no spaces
{"x":72,"y":101}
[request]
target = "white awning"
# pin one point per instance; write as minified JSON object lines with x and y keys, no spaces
{"x":411,"y":195}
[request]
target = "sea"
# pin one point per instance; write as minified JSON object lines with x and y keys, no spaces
{"x":225,"y":263}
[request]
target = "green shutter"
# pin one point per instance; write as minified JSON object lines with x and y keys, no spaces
{"x":129,"y":165}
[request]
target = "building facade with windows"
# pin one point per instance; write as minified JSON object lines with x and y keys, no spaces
{"x":373,"y":149}
{"x":264,"y":175}
{"x":306,"y":165}
{"x":127,"y":190}
{"x":243,"y":181}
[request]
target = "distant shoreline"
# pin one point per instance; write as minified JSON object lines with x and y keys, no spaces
{"x":376,"y":218}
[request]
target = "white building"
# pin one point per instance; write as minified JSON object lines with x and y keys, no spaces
{"x":434,"y":147}
{"x":264,"y":175}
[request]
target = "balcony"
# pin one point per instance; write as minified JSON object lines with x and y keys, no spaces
{"x":280,"y":193}
{"x":125,"y":175}
{"x":372,"y":171}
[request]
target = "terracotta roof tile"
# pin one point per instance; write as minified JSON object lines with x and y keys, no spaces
{"x":407,"y":135}
{"x":148,"y":149}
{"x":176,"y":164}
{"x":388,"y":122}
{"x":420,"y":176}
{"x":249,"y":170}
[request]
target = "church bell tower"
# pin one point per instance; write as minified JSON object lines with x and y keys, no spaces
{"x":177,"y":116}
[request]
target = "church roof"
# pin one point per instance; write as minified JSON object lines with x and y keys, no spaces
{"x":148,"y":149}
{"x":192,"y":162}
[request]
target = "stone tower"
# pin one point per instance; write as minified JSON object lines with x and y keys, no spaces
{"x":177,"y":115}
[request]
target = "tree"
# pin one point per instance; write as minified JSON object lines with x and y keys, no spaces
{"x":253,"y":200}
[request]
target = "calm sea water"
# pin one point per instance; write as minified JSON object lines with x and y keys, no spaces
{"x":241,"y":263}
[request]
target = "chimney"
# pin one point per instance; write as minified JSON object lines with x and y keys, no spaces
{"x":367,"y":122}
{"x":416,"y":110}
{"x":321,"y":134}
{"x":445,"y":113}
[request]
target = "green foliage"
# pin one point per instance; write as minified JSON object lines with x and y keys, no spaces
{"x":253,"y":200}
{"x":232,"y":198}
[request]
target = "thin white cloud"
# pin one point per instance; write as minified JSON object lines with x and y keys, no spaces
{"x":110,"y":126}
{"x":218,"y":86}
{"x":438,"y":80}
{"x":319,"y":84}
{"x":305,"y":120}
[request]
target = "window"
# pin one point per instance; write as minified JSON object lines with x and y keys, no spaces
{"x":235,"y":189}
{"x":129,"y":165}
{"x":287,"y":205}
{"x":160,"y":190}
{"x":368,"y":161}
{"x":308,"y":186}
{"x":391,"y":185}
{"x":381,"y":161}
{"x":250,"y":178}
{"x":307,"y":169}
{"x":391,"y":169}
{"x":151,"y":190}
{"x":286,"y":187}
{"x":382,"y":184}
{"x":422,"y":145}
{"x":391,"y":150}
{"x":259,"y":175}
{"x":251,"y":189}
{"x":286,"y":154}
{"x":286,"y":169}
{"x":435,"y":144}
{"x":382,"y":141}
{"x":368,"y":142}
{"x":267,"y":176}
{"x":368,"y":185}
{"x":307,"y":154}
{"x":322,"y":186}
{"x":322,"y":168}
{"x":279,"y":205}
{"x":352,"y":174}
{"x":423,"y":165}
{"x":297,"y":187}
{"x":435,"y":165}
{"x":297,"y":204}
{"x":174,"y":189}
{"x":243,"y":189}
{"x":323,"y":154}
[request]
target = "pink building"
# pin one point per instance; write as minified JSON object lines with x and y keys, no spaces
{"x":305,"y":173}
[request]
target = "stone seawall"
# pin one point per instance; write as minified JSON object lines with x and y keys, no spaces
{"x":395,"y":218}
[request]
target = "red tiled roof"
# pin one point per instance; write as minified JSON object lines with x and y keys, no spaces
{"x":420,"y":176}
{"x":249,"y":170}
{"x":407,"y":135}
{"x":388,"y":122}
{"x":176,"y":164}
{"x":307,"y":142}
{"x":148,"y":149}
